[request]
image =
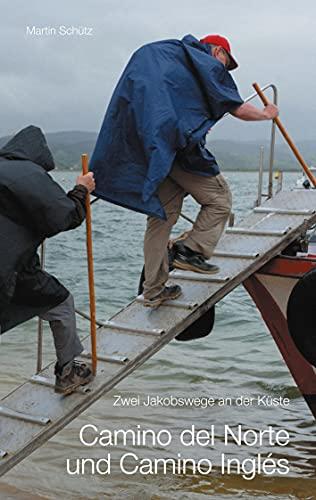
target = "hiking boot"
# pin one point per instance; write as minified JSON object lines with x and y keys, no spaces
{"x":72,"y":375}
{"x":180,"y":247}
{"x":187,"y":259}
{"x":168,"y":293}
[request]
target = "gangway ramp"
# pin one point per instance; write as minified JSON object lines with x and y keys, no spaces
{"x":33,"y":412}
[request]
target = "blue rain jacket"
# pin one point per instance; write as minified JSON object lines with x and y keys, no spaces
{"x":169,"y":95}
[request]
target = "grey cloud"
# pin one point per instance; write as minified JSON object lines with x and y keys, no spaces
{"x":64,"y":83}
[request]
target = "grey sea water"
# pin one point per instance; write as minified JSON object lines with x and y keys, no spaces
{"x":239,"y":358}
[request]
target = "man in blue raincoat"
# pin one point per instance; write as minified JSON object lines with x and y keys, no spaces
{"x":151,"y":150}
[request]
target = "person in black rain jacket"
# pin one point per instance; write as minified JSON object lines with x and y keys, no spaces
{"x":34,"y":207}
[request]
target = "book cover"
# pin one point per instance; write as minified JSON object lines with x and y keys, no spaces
{"x":211,"y":394}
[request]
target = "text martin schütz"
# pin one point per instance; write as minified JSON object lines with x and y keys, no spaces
{"x":62,"y":30}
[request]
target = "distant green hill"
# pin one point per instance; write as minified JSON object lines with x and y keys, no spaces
{"x":237,"y":155}
{"x":231,"y":155}
{"x":67,"y":147}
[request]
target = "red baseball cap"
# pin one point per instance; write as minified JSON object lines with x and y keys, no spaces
{"x":224,"y":43}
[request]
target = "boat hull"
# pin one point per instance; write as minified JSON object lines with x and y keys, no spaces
{"x":270,"y":289}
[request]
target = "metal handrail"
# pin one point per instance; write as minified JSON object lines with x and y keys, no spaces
{"x":272,"y":140}
{"x":273,"y":125}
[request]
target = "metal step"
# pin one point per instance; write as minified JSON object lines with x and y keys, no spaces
{"x":171,"y":303}
{"x":191,"y":276}
{"x":156,"y":332}
{"x":39,"y":379}
{"x":282,"y":211}
{"x":120,"y":327}
{"x":121,"y":360}
{"x":18,"y":415}
{"x":234,"y":255}
{"x":256,"y":232}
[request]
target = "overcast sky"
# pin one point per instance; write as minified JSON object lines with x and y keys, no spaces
{"x":65,"y":82}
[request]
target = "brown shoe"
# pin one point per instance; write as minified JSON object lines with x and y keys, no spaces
{"x":72,"y":375}
{"x":168,"y":293}
{"x":187,"y":259}
{"x":195,"y":264}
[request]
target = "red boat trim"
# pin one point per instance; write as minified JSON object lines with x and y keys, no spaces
{"x":293,"y":267}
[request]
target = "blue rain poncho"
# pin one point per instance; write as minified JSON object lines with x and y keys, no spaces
{"x":169,"y":95}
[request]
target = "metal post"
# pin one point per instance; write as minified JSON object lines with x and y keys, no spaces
{"x":272,"y":145}
{"x":279,"y":179}
{"x":261,"y":163}
{"x":272,"y":140}
{"x":39,"y":361}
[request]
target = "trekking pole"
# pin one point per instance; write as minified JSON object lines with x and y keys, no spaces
{"x":93,"y":332}
{"x":39,"y":360}
{"x":286,"y":136}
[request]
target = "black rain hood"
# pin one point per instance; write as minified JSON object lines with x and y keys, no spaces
{"x":29,"y":144}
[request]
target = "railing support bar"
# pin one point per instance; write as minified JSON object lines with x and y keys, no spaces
{"x":39,"y":361}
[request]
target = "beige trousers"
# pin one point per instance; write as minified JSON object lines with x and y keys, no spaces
{"x":214,"y":196}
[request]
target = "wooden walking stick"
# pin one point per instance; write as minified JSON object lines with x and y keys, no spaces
{"x":93,"y":332}
{"x":286,"y":136}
